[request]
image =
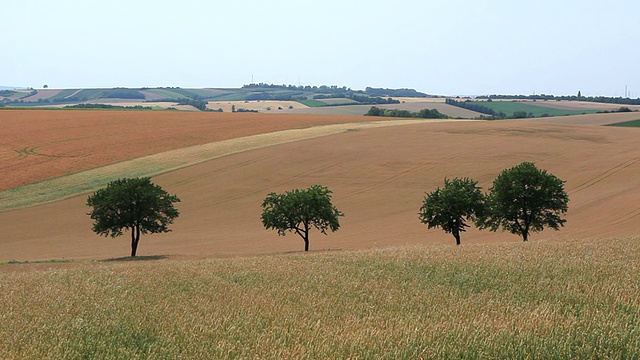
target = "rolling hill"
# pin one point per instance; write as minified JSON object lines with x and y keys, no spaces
{"x":378,"y":175}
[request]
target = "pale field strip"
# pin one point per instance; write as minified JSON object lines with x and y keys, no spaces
{"x":261,"y":105}
{"x":90,"y":180}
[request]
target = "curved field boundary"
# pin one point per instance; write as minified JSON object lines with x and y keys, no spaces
{"x":90,"y":180}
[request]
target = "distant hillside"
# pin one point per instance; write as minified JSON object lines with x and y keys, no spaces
{"x":308,"y":95}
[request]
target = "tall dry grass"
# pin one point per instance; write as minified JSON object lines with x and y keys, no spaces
{"x":556,"y":299}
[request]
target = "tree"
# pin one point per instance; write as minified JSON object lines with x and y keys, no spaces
{"x":300,"y":210}
{"x":135,"y":204}
{"x":525,"y":199}
{"x":449,"y":208}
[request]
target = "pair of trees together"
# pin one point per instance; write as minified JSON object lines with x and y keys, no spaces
{"x":522,"y":200}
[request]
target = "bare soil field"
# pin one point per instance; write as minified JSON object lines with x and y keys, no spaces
{"x":378,"y":176}
{"x":42,"y":144}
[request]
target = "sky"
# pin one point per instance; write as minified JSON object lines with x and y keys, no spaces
{"x":454,"y":47}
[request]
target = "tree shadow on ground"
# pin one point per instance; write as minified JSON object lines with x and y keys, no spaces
{"x":137,"y":258}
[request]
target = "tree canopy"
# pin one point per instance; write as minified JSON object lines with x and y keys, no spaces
{"x":300,"y":210}
{"x":134,"y":204}
{"x":525,"y":199}
{"x":450,"y":208}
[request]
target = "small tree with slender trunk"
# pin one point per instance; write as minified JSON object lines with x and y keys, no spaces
{"x":135,"y":204}
{"x":525,"y":199}
{"x":451,"y":207}
{"x":299,"y":211}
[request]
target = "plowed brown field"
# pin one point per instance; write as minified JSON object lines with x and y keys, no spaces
{"x":378,"y":176}
{"x":41,"y":144}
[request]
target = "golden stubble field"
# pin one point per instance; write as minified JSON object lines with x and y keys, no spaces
{"x":378,"y":176}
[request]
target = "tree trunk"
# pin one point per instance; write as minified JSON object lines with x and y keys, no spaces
{"x":135,"y":237}
{"x":525,"y":236}
{"x":306,"y":237}
{"x":456,"y":235}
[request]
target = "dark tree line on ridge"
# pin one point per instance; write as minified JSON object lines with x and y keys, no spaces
{"x":422,"y":114}
{"x":342,"y":90}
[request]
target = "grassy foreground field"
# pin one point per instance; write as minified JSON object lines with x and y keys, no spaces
{"x":546,"y":299}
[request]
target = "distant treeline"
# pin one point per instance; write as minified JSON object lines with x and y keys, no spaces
{"x":422,"y":114}
{"x":107,"y":106}
{"x":299,"y":96}
{"x":601,"y":99}
{"x":394,"y":92}
{"x":475,"y":106}
{"x":494,"y":115}
{"x":198,"y":104}
{"x":324,"y":89}
{"x":339,"y":90}
{"x":363,"y":99}
{"x":266,"y":95}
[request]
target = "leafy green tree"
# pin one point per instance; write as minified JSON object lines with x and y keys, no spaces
{"x":134,"y":204}
{"x":525,"y":199}
{"x":300,"y":210}
{"x":459,"y":201}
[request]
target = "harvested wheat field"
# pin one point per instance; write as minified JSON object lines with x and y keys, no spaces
{"x":41,"y":144}
{"x":378,"y":176}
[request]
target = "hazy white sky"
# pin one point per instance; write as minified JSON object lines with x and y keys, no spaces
{"x":453,"y":47}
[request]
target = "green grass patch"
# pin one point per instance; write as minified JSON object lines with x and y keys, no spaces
{"x":62,"y":95}
{"x":50,"y":261}
{"x":510,"y":107}
{"x":546,"y":300}
{"x":312,"y":103}
{"x":632,"y":123}
{"x":15,"y":94}
{"x":338,"y":101}
{"x":166,"y":93}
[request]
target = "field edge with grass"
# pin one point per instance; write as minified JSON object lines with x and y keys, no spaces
{"x":543,"y":299}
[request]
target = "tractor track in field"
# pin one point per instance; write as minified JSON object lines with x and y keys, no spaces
{"x":604,"y":175}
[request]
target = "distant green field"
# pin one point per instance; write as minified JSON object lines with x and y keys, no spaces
{"x":166,"y":93}
{"x":62,"y":95}
{"x":632,"y":123}
{"x":312,"y":103}
{"x":14,"y":95}
{"x":338,"y":101}
{"x":207,"y":93}
{"x":510,"y":107}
